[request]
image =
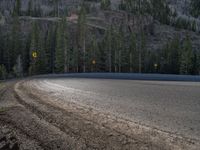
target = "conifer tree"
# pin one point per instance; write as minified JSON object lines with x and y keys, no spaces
{"x":30,"y":8}
{"x":195,"y":8}
{"x":186,"y":57}
{"x":41,"y":63}
{"x":3,"y":72}
{"x":1,"y":49}
{"x":15,"y":40}
{"x":50,"y":48}
{"x":82,"y":34}
{"x":95,"y":60}
{"x":59,"y":50}
{"x":121,"y":50}
{"x":7,"y":57}
{"x":26,"y":54}
{"x":34,"y":47}
{"x":56,"y":8}
{"x":198,"y":63}
{"x":108,"y":47}
{"x":170,"y":57}
{"x":116,"y":47}
{"x":17,"y":8}
{"x":75,"y":59}
{"x":65,"y":46}
{"x":132,"y":53}
{"x":141,"y":51}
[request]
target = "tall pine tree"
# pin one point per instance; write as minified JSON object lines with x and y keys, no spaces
{"x":82,"y":34}
{"x":59,"y":51}
{"x":186,"y":57}
{"x":34,"y":48}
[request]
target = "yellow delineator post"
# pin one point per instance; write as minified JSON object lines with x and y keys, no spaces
{"x":155,"y":67}
{"x":94,"y":62}
{"x":34,"y":54}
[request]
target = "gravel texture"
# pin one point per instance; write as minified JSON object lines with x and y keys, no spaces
{"x":81,"y":114}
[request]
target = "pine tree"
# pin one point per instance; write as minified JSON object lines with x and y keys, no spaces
{"x":195,"y":8}
{"x":56,"y":8}
{"x":170,"y":57}
{"x":34,"y":48}
{"x":93,"y":56}
{"x":17,"y":8}
{"x":141,"y":51}
{"x":18,"y":68}
{"x":50,"y":49}
{"x":186,"y":57}
{"x":116,"y":47}
{"x":198,"y":62}
{"x":132,"y":52}
{"x":7,"y":57}
{"x":164,"y":60}
{"x":30,"y":8}
{"x":26,"y":54}
{"x":41,"y":63}
{"x":1,"y":49}
{"x":102,"y":55}
{"x":75,"y":59}
{"x":108,"y":47}
{"x":65,"y":46}
{"x":59,"y":50}
{"x":82,"y":34}
{"x":15,"y":40}
{"x":194,"y":26}
{"x":3,"y":72}
{"x":120,"y":51}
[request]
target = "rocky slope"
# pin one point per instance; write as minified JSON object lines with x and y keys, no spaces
{"x":99,"y":20}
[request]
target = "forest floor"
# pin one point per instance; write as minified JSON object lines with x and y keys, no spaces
{"x":31,"y":119}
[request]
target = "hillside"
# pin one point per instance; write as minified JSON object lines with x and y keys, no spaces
{"x":99,"y":36}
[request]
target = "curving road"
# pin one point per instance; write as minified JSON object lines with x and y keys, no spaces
{"x":167,"y":105}
{"x":88,"y":111}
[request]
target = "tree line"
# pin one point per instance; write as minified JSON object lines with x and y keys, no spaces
{"x":59,"y":50}
{"x":160,"y":11}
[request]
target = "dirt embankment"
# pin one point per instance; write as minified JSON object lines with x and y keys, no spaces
{"x":34,"y":119}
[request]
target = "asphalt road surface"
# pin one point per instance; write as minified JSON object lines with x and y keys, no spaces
{"x":167,"y":105}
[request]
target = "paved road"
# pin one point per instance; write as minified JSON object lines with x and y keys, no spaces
{"x":167,"y":105}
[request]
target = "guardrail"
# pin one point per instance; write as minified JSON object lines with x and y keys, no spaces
{"x":126,"y":76}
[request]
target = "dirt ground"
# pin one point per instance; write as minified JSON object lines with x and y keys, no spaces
{"x":33,"y":119}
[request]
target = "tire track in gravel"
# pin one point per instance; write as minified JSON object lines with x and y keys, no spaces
{"x":12,"y":138}
{"x":94,"y":134}
{"x":30,"y":125}
{"x":48,"y":136}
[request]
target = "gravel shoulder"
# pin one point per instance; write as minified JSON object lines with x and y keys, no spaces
{"x":35,"y":119}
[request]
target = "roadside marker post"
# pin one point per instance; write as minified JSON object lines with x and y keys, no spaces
{"x":34,"y":54}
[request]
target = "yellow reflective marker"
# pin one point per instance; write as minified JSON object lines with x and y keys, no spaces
{"x":93,"y":62}
{"x":34,"y":54}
